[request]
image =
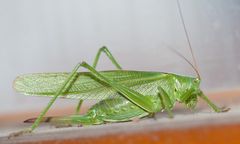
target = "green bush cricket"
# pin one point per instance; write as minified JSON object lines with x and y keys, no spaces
{"x":125,"y":95}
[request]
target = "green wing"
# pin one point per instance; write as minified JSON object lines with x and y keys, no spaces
{"x":86,"y":86}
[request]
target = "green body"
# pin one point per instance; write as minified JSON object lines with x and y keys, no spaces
{"x":123,"y":94}
{"x":112,"y":107}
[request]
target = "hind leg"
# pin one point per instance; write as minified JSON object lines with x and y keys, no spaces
{"x":111,"y":58}
{"x":76,"y":120}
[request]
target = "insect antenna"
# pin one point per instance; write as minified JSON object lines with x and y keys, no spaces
{"x":180,"y":55}
{"x":195,"y":67}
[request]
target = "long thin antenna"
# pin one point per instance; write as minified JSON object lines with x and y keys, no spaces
{"x":187,"y":36}
{"x":180,"y":55}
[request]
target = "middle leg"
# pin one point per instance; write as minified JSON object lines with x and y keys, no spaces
{"x":166,"y":101}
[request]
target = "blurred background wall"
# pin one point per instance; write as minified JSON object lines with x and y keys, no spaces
{"x":54,"y":35}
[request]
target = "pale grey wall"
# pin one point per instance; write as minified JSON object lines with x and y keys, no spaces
{"x":53,"y":35}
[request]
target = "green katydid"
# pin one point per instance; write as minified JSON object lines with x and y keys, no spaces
{"x":125,"y":95}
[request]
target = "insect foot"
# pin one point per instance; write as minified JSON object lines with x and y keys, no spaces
{"x":225,"y":109}
{"x":16,"y":134}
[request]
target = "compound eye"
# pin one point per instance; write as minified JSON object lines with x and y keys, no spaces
{"x":196,"y":80}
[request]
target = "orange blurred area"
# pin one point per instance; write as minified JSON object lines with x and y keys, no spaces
{"x":224,"y":134}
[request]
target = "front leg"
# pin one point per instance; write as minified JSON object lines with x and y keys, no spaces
{"x":212,"y":105}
